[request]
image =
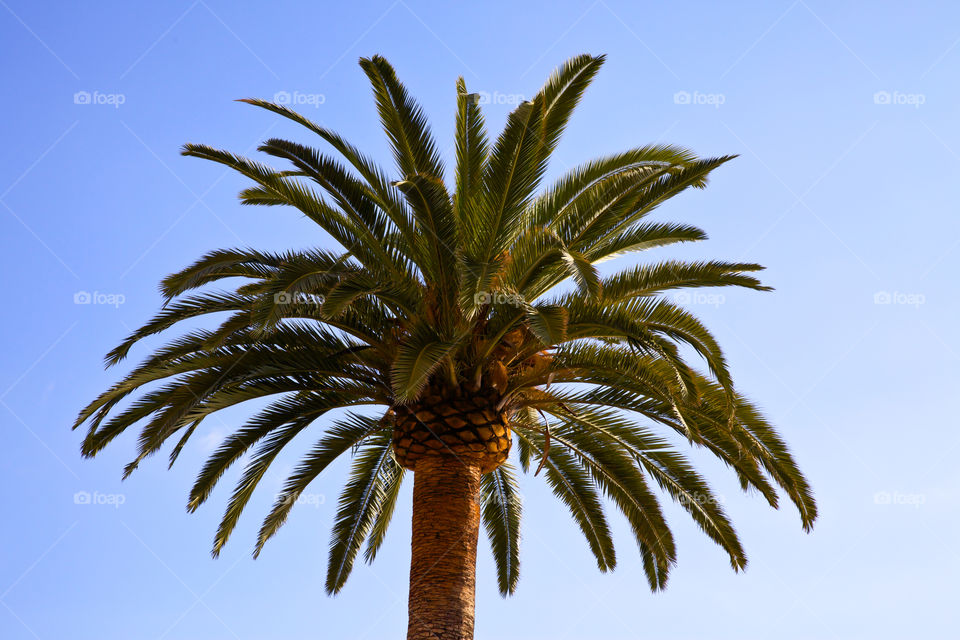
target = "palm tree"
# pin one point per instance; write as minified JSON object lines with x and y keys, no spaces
{"x":474,"y":321}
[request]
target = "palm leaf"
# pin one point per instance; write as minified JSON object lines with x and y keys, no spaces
{"x":338,"y":439}
{"x":501,"y":510}
{"x":413,"y":147}
{"x":358,"y":507}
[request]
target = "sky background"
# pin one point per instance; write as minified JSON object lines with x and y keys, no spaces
{"x":845,"y":119}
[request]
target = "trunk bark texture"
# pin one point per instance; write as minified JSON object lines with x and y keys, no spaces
{"x":446,"y":523}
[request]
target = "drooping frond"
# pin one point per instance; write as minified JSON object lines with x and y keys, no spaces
{"x":572,"y":485}
{"x":501,"y":510}
{"x":337,"y":440}
{"x":392,"y":475}
{"x":360,"y":504}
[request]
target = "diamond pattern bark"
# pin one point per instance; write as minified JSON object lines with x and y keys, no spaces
{"x":453,"y":423}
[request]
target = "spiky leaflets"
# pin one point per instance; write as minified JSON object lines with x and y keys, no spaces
{"x":433,"y":292}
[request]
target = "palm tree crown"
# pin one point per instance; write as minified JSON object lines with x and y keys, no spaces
{"x":436,"y":298}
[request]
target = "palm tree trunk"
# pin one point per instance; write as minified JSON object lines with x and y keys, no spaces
{"x":446,"y":523}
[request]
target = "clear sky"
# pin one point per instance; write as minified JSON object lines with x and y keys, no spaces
{"x":845,"y":119}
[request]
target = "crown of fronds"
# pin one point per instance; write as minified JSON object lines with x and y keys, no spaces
{"x":460,"y":287}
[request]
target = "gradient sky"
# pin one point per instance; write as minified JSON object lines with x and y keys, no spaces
{"x":845,"y":119}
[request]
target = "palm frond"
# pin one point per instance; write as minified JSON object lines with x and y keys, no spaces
{"x":402,"y":118}
{"x":472,"y":149}
{"x":392,"y":475}
{"x":501,"y":510}
{"x":338,"y":439}
{"x":358,"y":507}
{"x":573,"y":486}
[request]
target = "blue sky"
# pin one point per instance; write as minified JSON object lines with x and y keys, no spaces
{"x":844,"y":116}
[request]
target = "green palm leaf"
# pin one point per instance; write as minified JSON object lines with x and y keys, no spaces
{"x":358,"y":507}
{"x":501,"y":510}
